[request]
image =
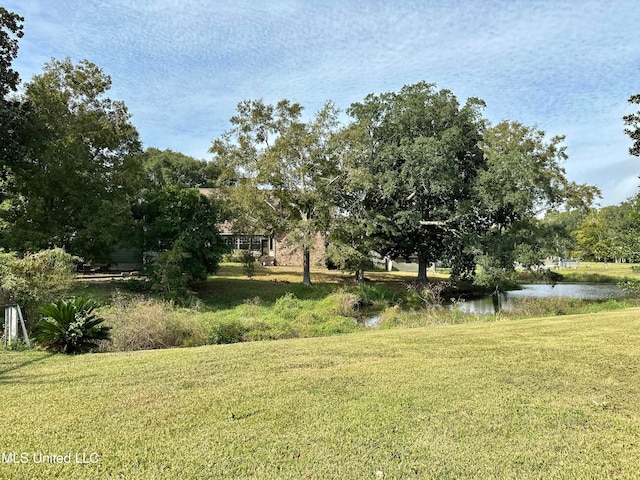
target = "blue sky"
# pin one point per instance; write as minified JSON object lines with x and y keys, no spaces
{"x":181,"y":66}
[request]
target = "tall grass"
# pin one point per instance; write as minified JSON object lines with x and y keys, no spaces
{"x":145,"y":323}
{"x":275,"y":305}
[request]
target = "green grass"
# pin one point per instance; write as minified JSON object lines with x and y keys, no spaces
{"x":538,"y":398}
{"x":598,"y":272}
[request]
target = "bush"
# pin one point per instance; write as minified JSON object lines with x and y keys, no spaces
{"x":631,"y":287}
{"x":227,"y":331}
{"x":288,"y":307}
{"x":248,"y":263}
{"x":233,"y":257}
{"x":35,"y":279}
{"x":370,"y":294}
{"x":70,"y":327}
{"x":345,"y":304}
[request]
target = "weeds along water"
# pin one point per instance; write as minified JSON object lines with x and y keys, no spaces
{"x":231,"y":308}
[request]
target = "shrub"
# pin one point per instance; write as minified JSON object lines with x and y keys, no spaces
{"x":368,"y":294}
{"x":35,"y":279}
{"x":233,"y":257}
{"x":288,"y":307}
{"x":70,"y":327}
{"x":631,"y":287}
{"x":248,"y":264}
{"x":345,"y":303}
{"x":227,"y":331}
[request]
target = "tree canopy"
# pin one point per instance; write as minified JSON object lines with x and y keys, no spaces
{"x":181,"y":237}
{"x":81,"y":165}
{"x":285,"y":164}
{"x":12,"y":112}
{"x":418,"y":159}
{"x":523,"y":179}
{"x":166,"y":167}
{"x":632,"y":121}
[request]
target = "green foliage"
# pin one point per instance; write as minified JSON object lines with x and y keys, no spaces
{"x":248,"y":263}
{"x":35,"y":279}
{"x":610,"y":234}
{"x":70,"y":326}
{"x":555,"y":232}
{"x":368,"y":294}
{"x":632,"y":287}
{"x":12,"y":113}
{"x":288,"y":307}
{"x":430,"y":294}
{"x":285,"y":166}
{"x":181,"y":232}
{"x":523,"y":178}
{"x":11,"y":30}
{"x":73,"y":185}
{"x":632,"y":122}
{"x":166,"y":167}
{"x":227,"y":331}
{"x":411,"y":174}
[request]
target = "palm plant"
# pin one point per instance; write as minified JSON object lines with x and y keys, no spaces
{"x":70,"y":326}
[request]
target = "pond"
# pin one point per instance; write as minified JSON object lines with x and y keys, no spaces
{"x":583,"y":291}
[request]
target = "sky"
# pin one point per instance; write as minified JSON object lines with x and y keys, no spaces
{"x":567,"y":67}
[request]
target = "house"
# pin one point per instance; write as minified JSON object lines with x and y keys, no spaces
{"x":270,"y":250}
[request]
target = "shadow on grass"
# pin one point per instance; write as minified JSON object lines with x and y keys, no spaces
{"x":230,"y":288}
{"x":6,"y":371}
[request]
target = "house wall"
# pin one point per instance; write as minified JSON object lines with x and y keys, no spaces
{"x":126,"y":259}
{"x":286,"y":255}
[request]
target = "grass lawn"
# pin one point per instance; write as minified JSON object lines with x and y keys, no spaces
{"x":598,"y":272}
{"x":538,"y":398}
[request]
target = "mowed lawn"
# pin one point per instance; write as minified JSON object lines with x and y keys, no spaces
{"x":538,"y":398}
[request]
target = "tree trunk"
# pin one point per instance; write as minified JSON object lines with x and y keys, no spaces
{"x":422,"y":268}
{"x":306,"y":265}
{"x":360,"y":276}
{"x":495,"y":298}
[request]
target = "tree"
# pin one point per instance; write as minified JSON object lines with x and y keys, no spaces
{"x":10,"y":31}
{"x":556,"y":231}
{"x":523,"y":178}
{"x":633,"y":122}
{"x":166,"y":167}
{"x":610,"y":234}
{"x":12,"y":111}
{"x":73,"y":186}
{"x":415,"y":172}
{"x":353,"y":235}
{"x":35,"y":279}
{"x":181,"y":237}
{"x":284,"y":166}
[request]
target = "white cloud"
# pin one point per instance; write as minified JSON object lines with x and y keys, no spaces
{"x":182,"y":66}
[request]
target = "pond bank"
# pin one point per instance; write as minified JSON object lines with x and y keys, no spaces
{"x":505,"y":300}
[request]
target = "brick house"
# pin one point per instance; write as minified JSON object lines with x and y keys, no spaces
{"x":270,"y":250}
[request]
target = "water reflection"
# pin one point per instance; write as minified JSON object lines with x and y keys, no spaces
{"x":504,"y":300}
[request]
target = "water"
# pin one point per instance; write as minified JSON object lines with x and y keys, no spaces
{"x":584,"y":291}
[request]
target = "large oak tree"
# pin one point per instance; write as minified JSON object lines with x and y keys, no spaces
{"x":72,"y":187}
{"x":415,"y":171}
